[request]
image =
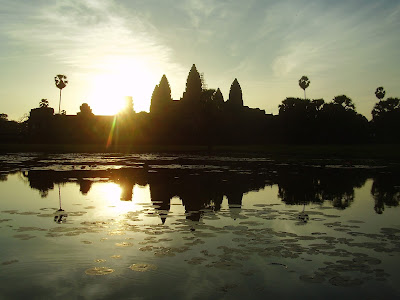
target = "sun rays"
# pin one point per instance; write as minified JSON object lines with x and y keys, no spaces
{"x":117,"y":78}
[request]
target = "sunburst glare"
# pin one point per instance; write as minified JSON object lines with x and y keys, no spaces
{"x":118,"y":77}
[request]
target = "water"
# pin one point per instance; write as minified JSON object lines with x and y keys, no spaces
{"x":104,"y":226}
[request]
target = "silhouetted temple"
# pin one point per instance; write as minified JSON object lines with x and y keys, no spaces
{"x":201,"y":116}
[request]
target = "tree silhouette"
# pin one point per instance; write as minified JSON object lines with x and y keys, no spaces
{"x":386,"y":120}
{"x":385,"y":192}
{"x":380,"y":92}
{"x":304,"y":82}
{"x":235,"y":95}
{"x":341,"y":111}
{"x":61,"y":82}
{"x":344,"y":101}
{"x":207,"y":96}
{"x":385,"y":106}
{"x":44,"y":103}
{"x":298,"y":119}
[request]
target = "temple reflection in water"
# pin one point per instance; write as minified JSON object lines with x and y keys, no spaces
{"x":206,"y":189}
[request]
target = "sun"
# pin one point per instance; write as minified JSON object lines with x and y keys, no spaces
{"x":116,"y":78}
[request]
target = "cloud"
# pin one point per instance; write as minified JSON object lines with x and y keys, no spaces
{"x":324,"y":39}
{"x":112,"y":51}
{"x":86,"y":34}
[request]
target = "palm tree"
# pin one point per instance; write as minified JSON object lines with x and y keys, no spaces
{"x":304,"y":82}
{"x":61,"y":82}
{"x":380,"y":92}
{"x":44,"y":103}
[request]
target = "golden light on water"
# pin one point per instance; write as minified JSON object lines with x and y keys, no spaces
{"x":117,"y":78}
{"x":111,"y":194}
{"x":141,"y":194}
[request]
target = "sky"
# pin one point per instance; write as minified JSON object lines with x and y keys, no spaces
{"x":109,"y":49}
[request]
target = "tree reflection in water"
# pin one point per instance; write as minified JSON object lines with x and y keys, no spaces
{"x":318,"y":186}
{"x":60,"y":215}
{"x":385,"y":191}
{"x":303,"y":216}
{"x":200,"y":190}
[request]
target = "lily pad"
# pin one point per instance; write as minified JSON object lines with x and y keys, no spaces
{"x":143,"y":267}
{"x":99,"y":271}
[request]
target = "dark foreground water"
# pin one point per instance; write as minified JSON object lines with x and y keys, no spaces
{"x":191,"y":227}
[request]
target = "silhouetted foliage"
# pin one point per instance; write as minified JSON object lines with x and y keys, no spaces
{"x":380,"y":92}
{"x":385,"y":191}
{"x":3,"y":117}
{"x":341,"y":123}
{"x":10,"y":131}
{"x":314,"y":121}
{"x":304,"y":83}
{"x":207,"y":96}
{"x":318,"y":186}
{"x":296,"y":111}
{"x":61,"y":82}
{"x":386,"y":107}
{"x":345,"y":102}
{"x":44,"y":103}
{"x":386,"y":120}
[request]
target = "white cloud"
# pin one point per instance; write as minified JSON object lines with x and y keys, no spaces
{"x":96,"y":37}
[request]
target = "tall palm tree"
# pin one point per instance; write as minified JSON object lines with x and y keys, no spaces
{"x":380,"y":92}
{"x":304,"y":82}
{"x":61,"y":82}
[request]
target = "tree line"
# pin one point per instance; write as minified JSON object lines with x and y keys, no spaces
{"x":202,"y":116}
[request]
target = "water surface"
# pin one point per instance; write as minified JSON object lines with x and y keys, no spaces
{"x":186,"y":227}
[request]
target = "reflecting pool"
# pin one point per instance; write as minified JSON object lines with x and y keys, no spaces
{"x":187,"y":227}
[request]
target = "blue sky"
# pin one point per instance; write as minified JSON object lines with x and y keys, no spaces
{"x":110,"y":49}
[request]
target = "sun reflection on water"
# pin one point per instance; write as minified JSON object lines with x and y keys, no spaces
{"x":120,"y":200}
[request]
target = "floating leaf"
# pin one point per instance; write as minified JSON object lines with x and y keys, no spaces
{"x":124,"y":244}
{"x":143,"y":267}
{"x":99,"y":271}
